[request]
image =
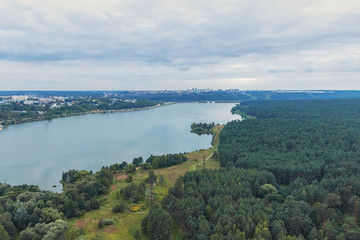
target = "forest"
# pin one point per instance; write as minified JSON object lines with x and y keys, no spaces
{"x":290,"y":172}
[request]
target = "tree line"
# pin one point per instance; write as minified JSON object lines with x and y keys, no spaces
{"x":202,"y":128}
{"x":18,"y":112}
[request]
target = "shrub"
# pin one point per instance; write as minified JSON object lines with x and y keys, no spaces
{"x":105,"y":222}
{"x":119,"y":207}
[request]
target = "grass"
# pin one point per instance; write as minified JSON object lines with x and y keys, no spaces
{"x":125,"y":224}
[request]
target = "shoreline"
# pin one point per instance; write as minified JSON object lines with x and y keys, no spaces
{"x":90,"y":112}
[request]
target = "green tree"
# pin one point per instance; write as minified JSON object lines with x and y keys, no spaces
{"x":3,"y":233}
{"x":157,"y":224}
{"x":151,"y":177}
{"x":50,"y":215}
{"x":262,"y":232}
{"x":21,"y":218}
{"x":29,"y":234}
{"x":137,"y":161}
{"x":129,"y":178}
{"x":130,"y":168}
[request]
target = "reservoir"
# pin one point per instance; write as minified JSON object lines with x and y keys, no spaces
{"x":38,"y":152}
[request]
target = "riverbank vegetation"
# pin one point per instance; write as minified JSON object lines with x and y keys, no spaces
{"x":35,"y":110}
{"x":202,"y":128}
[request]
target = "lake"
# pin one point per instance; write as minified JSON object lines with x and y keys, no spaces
{"x":38,"y":152}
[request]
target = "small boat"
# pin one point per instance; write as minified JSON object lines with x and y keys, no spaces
{"x":1,"y":127}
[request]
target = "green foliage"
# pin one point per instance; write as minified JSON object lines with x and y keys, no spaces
{"x":18,"y":112}
{"x":202,"y":128}
{"x":105,"y":222}
{"x":119,"y":207}
{"x":151,"y":177}
{"x":145,"y":166}
{"x":130,"y":169}
{"x":3,"y":233}
{"x":267,"y":189}
{"x":161,"y":180}
{"x":52,"y":231}
{"x":215,"y":204}
{"x":156,"y":225}
{"x":75,"y":233}
{"x":49,"y":215}
{"x":293,"y":138}
{"x":166,"y":160}
{"x":129,"y":178}
{"x":133,"y":192}
{"x":137,"y":161}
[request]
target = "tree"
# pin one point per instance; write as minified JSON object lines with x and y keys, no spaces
{"x":267,"y":189}
{"x":29,"y":234}
{"x":351,"y":228}
{"x":354,"y":204}
{"x":161,"y":180}
{"x":119,"y":207}
{"x":3,"y":233}
{"x":21,"y":218}
{"x":157,"y":224}
{"x":151,"y":177}
{"x":56,"y":231}
{"x":50,"y":215}
{"x":262,"y":231}
{"x":320,"y":212}
{"x":129,"y":178}
{"x":278,"y":230}
{"x":130,"y":168}
{"x":137,"y":161}
{"x":204,"y":228}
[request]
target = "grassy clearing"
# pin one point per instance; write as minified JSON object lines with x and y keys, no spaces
{"x":125,"y":224}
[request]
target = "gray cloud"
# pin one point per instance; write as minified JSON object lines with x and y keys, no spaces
{"x":179,"y":44}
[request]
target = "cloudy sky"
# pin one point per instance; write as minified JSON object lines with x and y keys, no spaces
{"x":165,"y":44}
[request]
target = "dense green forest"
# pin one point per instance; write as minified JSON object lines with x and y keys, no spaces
{"x":292,"y":172}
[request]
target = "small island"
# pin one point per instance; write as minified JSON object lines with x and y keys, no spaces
{"x":202,"y":128}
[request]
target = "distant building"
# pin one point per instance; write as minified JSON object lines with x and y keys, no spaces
{"x":19,"y":98}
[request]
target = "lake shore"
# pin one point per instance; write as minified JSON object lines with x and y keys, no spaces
{"x":86,"y":113}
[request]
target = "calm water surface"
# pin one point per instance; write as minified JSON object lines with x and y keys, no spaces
{"x":37,"y":153}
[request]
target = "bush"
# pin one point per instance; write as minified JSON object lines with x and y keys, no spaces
{"x":94,"y":204}
{"x":119,"y":207}
{"x":105,"y":222}
{"x":129,"y":178}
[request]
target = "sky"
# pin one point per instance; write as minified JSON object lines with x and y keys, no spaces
{"x":167,"y":44}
